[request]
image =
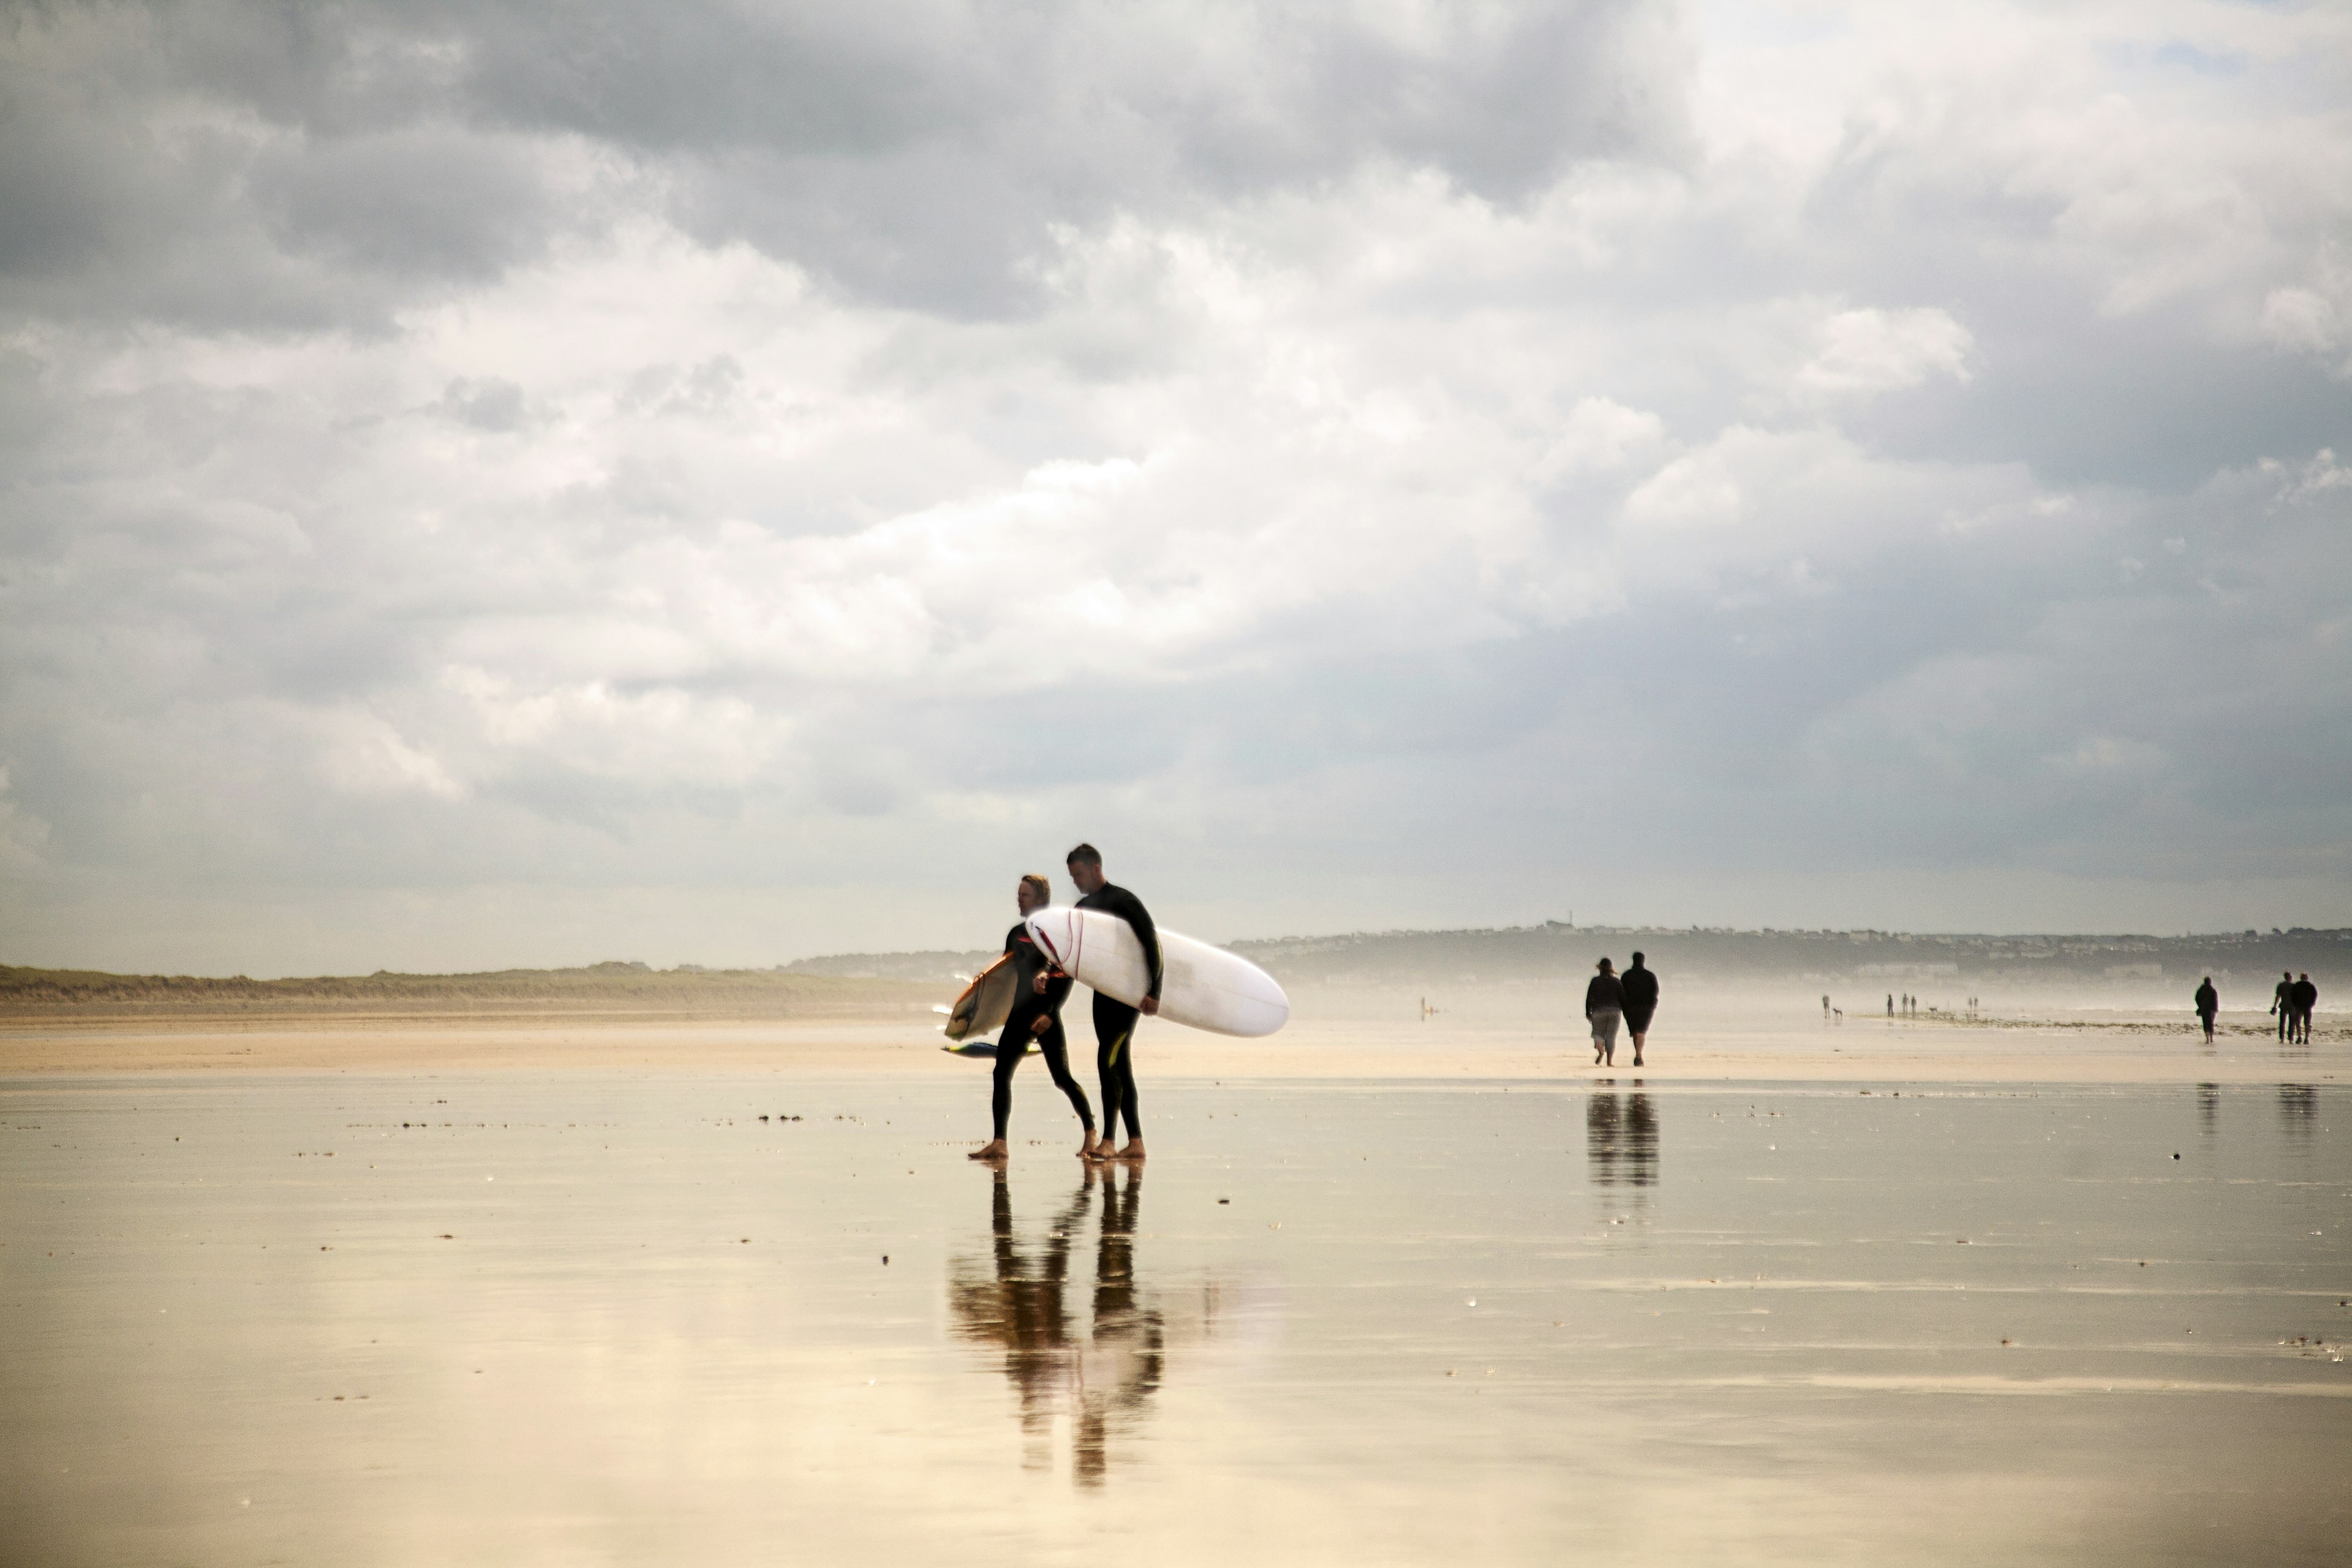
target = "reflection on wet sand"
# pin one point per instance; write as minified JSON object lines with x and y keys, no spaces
{"x":2298,"y":1105}
{"x":1022,"y":1302}
{"x":2208,"y":1107}
{"x":1621,"y":1139}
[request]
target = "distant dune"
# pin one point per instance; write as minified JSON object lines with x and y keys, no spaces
{"x":1886,"y":959}
{"x":1556,"y":951}
{"x":620,"y":990}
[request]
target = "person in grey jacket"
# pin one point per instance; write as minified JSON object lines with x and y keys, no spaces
{"x":1604,"y":1008}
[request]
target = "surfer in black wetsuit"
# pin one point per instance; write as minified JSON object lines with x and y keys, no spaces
{"x":2209,"y":1002}
{"x":1115,"y":1021}
{"x":1040,"y":989}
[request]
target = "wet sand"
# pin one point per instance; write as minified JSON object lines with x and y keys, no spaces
{"x":611,"y":1314}
{"x":1724,"y":1044}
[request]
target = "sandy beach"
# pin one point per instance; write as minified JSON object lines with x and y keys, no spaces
{"x":460,"y":1306}
{"x":2122,"y":1047}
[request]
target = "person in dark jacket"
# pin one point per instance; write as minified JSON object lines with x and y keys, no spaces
{"x":1604,"y":1008}
{"x":2306,"y":1002}
{"x":2209,"y":1002}
{"x":1640,"y":986}
{"x":1040,"y":991}
{"x":2283,"y":1003}
{"x":1115,"y":1021}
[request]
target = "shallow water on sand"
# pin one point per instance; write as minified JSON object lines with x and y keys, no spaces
{"x":495,"y":1319}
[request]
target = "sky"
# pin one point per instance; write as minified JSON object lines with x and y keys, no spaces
{"x":491,"y":485}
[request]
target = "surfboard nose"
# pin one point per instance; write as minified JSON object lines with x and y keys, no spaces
{"x":1052,"y":928}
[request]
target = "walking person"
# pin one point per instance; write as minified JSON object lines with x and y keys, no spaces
{"x":1604,"y":1008}
{"x":2283,"y":1003}
{"x":1040,"y":989}
{"x":1115,"y":1021}
{"x":1640,"y":988}
{"x":2209,"y":1002}
{"x":2306,"y":1002}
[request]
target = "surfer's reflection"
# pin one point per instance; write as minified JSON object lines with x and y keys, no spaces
{"x":1101,"y":1374}
{"x":1621,"y":1139}
{"x":2208,"y":1107}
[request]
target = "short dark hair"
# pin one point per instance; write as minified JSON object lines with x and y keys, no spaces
{"x":1637,"y":958}
{"x":1084,"y":854}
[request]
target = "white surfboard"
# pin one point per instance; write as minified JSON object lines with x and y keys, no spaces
{"x":1201,"y":986}
{"x":986,"y":1003}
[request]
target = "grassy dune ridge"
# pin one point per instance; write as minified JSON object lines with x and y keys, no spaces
{"x":625,"y":989}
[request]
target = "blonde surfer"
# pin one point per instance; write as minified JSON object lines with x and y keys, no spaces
{"x":1040,"y":990}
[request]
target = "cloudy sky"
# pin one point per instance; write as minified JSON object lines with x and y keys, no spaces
{"x":493,"y":484}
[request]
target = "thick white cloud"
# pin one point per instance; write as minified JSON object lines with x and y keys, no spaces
{"x":491,"y":485}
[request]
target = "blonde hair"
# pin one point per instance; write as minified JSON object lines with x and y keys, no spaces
{"x":1044,"y":888}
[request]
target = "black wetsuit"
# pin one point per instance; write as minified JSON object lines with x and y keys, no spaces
{"x":1027,"y":1007}
{"x":2307,"y":1003}
{"x":1115,"y":1021}
{"x":1639,"y":987}
{"x":2209,"y":1002}
{"x":2283,"y":1003}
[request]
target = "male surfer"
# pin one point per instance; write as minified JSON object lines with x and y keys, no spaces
{"x":1115,"y":1021}
{"x":1640,"y":988}
{"x":2283,"y":1003}
{"x":2209,"y":1002}
{"x":1039,"y":991}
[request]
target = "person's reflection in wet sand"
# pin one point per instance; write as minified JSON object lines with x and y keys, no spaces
{"x":1121,"y":1367}
{"x":1621,"y":1139}
{"x":2298,"y":1106}
{"x":1023,"y":1308}
{"x":2208,"y":1107}
{"x":1105,"y":1376}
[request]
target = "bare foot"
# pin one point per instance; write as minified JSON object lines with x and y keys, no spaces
{"x":1596,"y":1055}
{"x":1087,"y":1150}
{"x":1097,"y":1148}
{"x":992,"y":1150}
{"x":1637,"y":1058}
{"x":1134,"y":1151}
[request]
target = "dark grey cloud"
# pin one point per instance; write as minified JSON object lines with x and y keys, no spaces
{"x":259,"y":165}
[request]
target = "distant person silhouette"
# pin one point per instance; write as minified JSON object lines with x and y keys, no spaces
{"x":2209,"y":1002}
{"x":1826,"y":1009}
{"x":2306,"y":1002}
{"x":1890,"y":1004}
{"x":1604,"y":1009}
{"x":1639,"y":986}
{"x":2283,"y":1003}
